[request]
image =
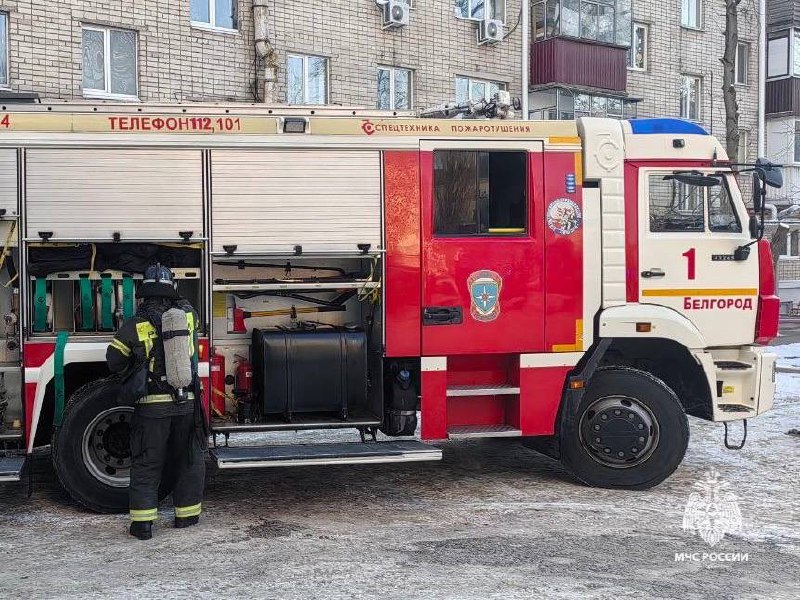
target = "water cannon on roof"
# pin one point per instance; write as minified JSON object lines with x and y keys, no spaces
{"x":500,"y":106}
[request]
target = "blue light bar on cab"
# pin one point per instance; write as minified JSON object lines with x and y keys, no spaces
{"x":666,"y":126}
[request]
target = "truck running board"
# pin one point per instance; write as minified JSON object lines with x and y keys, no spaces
{"x":347,"y":453}
{"x":11,"y":468}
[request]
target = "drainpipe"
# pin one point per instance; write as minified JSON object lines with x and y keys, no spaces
{"x":762,"y":74}
{"x":266,"y":62}
{"x":526,"y":55}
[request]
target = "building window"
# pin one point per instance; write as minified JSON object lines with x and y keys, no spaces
{"x":791,"y":247}
{"x":566,"y":105}
{"x":3,"y":49}
{"x":690,"y":97}
{"x":637,"y":55}
{"x":481,"y":9}
{"x":479,"y":192}
{"x":476,"y":89}
{"x":778,"y":57}
{"x":741,"y":66}
{"x":691,"y":13}
{"x":797,"y":141}
{"x":744,"y":143}
{"x":307,"y":79}
{"x":394,"y":88}
{"x":796,"y":53}
{"x":219,"y":14}
{"x":109,"y":63}
{"x":606,"y":21}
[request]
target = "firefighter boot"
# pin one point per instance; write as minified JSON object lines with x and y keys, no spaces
{"x":184,"y":522}
{"x":142,"y":530}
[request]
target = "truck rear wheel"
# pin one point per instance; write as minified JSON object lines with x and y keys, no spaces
{"x":91,"y":450}
{"x":630,"y":431}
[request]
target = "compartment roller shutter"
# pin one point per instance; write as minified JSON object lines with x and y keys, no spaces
{"x":88,"y":194}
{"x":8,"y":181}
{"x":269,"y":201}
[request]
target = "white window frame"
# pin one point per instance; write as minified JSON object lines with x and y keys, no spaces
{"x":746,"y":66}
{"x":646,"y":28}
{"x":684,"y":102}
{"x":392,"y":72}
{"x":470,"y":4}
{"x":744,"y":144}
{"x":106,"y":94}
{"x":787,"y":251}
{"x":212,"y":18}
{"x":698,"y":6}
{"x":7,"y":57}
{"x":501,"y":84}
{"x":305,"y":58}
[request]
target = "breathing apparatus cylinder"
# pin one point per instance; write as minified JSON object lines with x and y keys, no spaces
{"x":177,"y":357}
{"x":217,"y":381}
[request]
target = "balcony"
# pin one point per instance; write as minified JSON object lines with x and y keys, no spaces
{"x":577,"y":62}
{"x":582,"y":43}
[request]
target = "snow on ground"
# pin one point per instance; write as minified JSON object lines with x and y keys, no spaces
{"x":492,"y":520}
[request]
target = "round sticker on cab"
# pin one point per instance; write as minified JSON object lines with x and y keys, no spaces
{"x":564,"y":216}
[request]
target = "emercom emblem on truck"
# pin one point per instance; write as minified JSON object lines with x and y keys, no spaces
{"x":484,"y":293}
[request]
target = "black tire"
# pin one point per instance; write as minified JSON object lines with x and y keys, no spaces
{"x":91,"y":453}
{"x":629,"y":432}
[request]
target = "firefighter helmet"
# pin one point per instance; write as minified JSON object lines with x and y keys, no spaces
{"x":158,"y":282}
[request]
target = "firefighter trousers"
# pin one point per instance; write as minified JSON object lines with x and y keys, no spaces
{"x":166,"y":448}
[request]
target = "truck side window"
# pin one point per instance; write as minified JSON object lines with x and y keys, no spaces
{"x":722,"y":216}
{"x":674,"y":206}
{"x":479,"y":192}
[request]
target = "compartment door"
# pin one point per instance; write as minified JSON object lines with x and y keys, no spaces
{"x":89,"y":194}
{"x":269,"y":201}
{"x":482,"y":247}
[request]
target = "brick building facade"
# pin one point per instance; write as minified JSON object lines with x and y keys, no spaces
{"x":185,"y":52}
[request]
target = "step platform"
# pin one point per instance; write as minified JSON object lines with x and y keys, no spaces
{"x":345,"y":453}
{"x":11,"y":468}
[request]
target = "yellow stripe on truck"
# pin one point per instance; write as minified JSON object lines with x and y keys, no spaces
{"x":702,"y":292}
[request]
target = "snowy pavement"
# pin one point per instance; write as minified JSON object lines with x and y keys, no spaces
{"x":492,"y":520}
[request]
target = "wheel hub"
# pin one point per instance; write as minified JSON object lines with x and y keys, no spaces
{"x":107,"y":446}
{"x":618,"y":431}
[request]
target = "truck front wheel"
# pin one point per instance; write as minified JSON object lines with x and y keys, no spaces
{"x":630,"y":431}
{"x":91,"y":450}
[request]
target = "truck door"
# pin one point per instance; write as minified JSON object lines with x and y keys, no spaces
{"x":687,"y":237}
{"x":482,"y":251}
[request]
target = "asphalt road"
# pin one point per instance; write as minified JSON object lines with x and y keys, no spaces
{"x":492,"y":520}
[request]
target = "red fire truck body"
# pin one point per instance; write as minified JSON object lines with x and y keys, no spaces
{"x":582,"y":286}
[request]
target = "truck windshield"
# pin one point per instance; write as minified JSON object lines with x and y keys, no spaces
{"x":679,"y":206}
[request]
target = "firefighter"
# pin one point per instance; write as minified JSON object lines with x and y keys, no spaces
{"x":168,"y":434}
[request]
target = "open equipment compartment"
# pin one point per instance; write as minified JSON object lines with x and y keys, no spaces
{"x":90,"y":288}
{"x":297,"y":342}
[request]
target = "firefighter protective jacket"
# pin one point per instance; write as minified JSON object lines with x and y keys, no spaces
{"x":138,"y":341}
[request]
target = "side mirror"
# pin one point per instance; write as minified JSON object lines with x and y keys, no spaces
{"x":772,"y":174}
{"x":753,"y":226}
{"x":757,"y":192}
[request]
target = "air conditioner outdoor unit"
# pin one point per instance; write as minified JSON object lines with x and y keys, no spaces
{"x":395,"y":13}
{"x":490,"y":31}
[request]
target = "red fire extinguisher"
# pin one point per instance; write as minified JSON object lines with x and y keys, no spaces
{"x":217,"y":381}
{"x":244,"y":375}
{"x":243,"y":389}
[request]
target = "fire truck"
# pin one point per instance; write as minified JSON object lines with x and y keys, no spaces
{"x":581,"y":286}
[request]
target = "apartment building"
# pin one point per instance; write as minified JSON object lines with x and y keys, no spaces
{"x":644,"y":58}
{"x":341,"y":52}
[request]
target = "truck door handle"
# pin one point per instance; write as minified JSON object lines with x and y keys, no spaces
{"x":653,"y":273}
{"x":441,"y":315}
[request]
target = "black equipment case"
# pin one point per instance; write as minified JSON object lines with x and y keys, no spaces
{"x":310,"y":370}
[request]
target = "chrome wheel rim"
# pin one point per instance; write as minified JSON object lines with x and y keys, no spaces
{"x":107,"y":446}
